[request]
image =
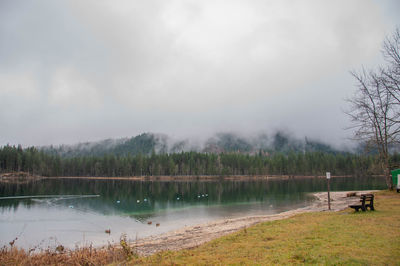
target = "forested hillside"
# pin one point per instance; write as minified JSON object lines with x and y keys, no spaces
{"x":147,"y":143}
{"x":38,"y":162}
{"x":141,"y":144}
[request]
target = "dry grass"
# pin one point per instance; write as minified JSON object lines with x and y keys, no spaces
{"x":313,"y":238}
{"x":59,"y":256}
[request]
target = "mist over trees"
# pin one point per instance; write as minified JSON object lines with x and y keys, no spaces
{"x":375,"y":107}
{"x":374,"y":111}
{"x":221,"y":155}
{"x":147,"y":143}
{"x":37,"y":162}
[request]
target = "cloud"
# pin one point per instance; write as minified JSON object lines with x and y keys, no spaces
{"x":109,"y":69}
{"x":68,"y":89}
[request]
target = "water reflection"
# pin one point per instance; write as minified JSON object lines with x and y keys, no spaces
{"x":125,"y":206}
{"x":141,"y":197}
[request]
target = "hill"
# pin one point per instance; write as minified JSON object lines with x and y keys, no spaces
{"x":147,"y":143}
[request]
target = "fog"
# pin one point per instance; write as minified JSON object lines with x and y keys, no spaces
{"x":77,"y":71}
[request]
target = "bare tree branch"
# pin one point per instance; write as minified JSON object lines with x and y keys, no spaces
{"x":375,"y":107}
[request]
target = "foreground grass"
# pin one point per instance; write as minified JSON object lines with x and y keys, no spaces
{"x":59,"y":256}
{"x":313,"y":238}
{"x":84,"y":256}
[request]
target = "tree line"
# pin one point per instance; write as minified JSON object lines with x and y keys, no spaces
{"x":36,"y":162}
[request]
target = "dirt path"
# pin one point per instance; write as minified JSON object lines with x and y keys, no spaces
{"x":193,"y":236}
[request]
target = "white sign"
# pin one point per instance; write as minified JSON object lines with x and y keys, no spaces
{"x":328,"y":175}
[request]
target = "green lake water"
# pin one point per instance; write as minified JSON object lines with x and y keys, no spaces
{"x":76,"y":212}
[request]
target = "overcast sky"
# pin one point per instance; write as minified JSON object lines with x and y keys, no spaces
{"x":75,"y":71}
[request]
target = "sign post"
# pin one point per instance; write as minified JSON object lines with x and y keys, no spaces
{"x":328,"y":178}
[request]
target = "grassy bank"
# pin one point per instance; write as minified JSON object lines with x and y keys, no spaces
{"x":313,"y":238}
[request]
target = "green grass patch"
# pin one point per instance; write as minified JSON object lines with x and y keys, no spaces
{"x":331,"y":238}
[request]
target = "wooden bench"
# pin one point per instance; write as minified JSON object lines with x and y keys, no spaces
{"x":367,"y":201}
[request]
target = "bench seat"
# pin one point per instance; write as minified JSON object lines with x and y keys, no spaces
{"x":367,"y":201}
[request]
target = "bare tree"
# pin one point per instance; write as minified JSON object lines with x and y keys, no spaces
{"x":390,"y":75}
{"x":375,"y":107}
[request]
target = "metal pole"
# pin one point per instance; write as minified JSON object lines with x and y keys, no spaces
{"x":328,"y":178}
{"x":329,"y":196}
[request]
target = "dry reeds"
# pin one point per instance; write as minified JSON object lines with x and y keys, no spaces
{"x":62,"y":256}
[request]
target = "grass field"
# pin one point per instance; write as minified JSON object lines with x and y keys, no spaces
{"x":363,"y":238}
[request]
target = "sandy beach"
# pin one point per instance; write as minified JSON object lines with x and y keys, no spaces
{"x":189,"y":237}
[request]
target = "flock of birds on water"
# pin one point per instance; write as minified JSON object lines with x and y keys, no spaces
{"x":108,"y":231}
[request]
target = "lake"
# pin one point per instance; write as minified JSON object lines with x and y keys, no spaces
{"x":76,"y":212}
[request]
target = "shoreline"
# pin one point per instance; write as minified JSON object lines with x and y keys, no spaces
{"x":297,"y":228}
{"x":201,"y":177}
{"x":193,"y":236}
{"x":23,"y":177}
{"x":19,"y":178}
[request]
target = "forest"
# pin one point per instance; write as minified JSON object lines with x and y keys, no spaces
{"x":38,"y":162}
{"x":222,"y":142}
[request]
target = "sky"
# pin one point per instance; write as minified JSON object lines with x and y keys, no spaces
{"x":77,"y":71}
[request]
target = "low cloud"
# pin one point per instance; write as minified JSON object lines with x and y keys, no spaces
{"x":99,"y":69}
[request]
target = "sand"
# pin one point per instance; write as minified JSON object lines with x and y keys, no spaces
{"x":189,"y":237}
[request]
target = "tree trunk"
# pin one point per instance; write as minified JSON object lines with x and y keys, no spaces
{"x":388,"y":178}
{"x":386,"y":171}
